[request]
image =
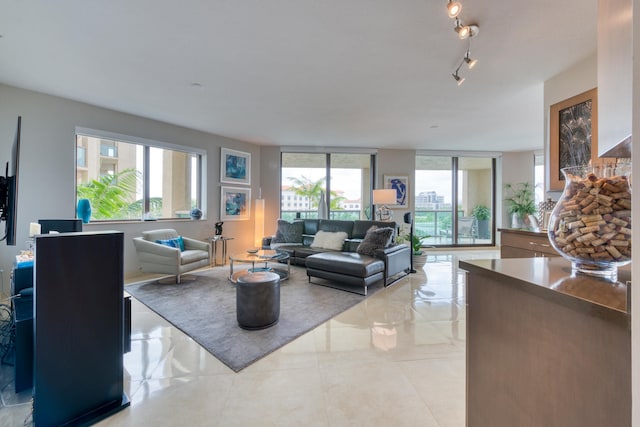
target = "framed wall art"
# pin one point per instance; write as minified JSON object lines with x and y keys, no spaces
{"x":235,"y":167}
{"x":235,"y":203}
{"x":573,"y":137}
{"x":401,"y":185}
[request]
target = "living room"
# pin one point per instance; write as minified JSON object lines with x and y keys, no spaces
{"x":50,"y":122}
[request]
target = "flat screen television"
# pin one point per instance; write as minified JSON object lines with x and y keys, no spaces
{"x":60,"y":225}
{"x":9,"y":190}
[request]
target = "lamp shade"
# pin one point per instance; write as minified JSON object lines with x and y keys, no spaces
{"x":384,"y":197}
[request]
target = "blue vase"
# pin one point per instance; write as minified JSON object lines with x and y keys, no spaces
{"x":84,"y":210}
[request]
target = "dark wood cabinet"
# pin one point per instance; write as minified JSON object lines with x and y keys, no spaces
{"x":516,"y":243}
{"x":79,"y":324}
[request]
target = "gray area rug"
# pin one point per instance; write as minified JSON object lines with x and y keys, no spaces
{"x":205,"y":309}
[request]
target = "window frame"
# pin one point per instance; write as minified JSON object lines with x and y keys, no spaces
{"x":146,"y":144}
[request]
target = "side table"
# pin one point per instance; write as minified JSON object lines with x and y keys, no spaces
{"x":214,"y":249}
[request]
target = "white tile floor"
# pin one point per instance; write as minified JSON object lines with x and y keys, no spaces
{"x":397,"y":358}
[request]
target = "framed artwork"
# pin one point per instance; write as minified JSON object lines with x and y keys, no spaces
{"x":235,"y":203}
{"x":401,"y":185}
{"x":573,"y":137}
{"x":235,"y":167}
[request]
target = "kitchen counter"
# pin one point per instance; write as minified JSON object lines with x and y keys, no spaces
{"x":546,"y":348}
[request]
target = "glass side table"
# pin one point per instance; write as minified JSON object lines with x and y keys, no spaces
{"x":262,"y":258}
{"x":214,"y":249}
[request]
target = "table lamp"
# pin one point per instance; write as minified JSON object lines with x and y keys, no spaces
{"x":382,"y":198}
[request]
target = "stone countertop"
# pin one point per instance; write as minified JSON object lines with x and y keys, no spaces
{"x":550,"y":278}
{"x":525,"y":231}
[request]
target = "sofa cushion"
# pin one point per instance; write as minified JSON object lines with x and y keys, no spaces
{"x":288,"y":232}
{"x":376,"y":238}
{"x":329,"y":240}
{"x":360,"y":227}
{"x":311,"y":226}
{"x":176,"y":242}
{"x":349,"y":264}
{"x":336,"y":225}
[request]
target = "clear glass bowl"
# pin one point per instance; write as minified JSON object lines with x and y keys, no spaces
{"x":591,"y":223}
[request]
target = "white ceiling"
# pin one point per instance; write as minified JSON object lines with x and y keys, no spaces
{"x":357,"y":73}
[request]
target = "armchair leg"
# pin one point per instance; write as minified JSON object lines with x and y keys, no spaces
{"x":178,"y":279}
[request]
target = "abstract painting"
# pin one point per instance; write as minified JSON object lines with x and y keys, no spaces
{"x":401,"y":185}
{"x":235,"y":203}
{"x":573,"y":139}
{"x":235,"y":167}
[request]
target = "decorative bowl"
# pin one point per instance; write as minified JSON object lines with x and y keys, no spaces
{"x":591,"y":223}
{"x":253,"y":250}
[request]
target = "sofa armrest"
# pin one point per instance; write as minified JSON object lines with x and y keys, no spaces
{"x":190,"y":243}
{"x":391,"y":249}
{"x":396,"y":258}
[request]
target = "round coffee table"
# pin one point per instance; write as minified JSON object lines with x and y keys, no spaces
{"x":262,"y":258}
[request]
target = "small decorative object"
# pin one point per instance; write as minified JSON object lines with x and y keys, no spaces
{"x":322,"y":206}
{"x":84,"y":210}
{"x":218,"y":226}
{"x":195,"y":213}
{"x":543,"y":208}
{"x":520,"y":203}
{"x":591,"y":223}
{"x":253,"y":250}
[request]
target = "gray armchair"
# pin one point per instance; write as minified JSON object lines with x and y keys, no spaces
{"x":157,"y":258}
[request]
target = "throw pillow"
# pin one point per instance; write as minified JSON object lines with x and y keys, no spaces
{"x":176,"y":242}
{"x":329,"y":240}
{"x":376,"y":238}
{"x":288,"y":232}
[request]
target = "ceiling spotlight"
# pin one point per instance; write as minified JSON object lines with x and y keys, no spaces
{"x":470,"y":62}
{"x":462,"y":30}
{"x":454,"y":8}
{"x":457,"y":78}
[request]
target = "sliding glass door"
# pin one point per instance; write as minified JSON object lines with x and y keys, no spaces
{"x":454,"y":200}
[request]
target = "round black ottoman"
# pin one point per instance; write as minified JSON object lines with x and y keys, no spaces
{"x":258,"y":300}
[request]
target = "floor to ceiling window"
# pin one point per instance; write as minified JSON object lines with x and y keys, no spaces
{"x":454,"y":200}
{"x":326,"y":185}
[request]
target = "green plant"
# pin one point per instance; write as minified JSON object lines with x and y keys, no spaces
{"x":519,"y":199}
{"x":415,"y":242}
{"x":481,"y":212}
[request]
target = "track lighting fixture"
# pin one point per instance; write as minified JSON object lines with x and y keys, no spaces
{"x":464,"y":32}
{"x":457,"y":77}
{"x":454,"y":8}
{"x":470,"y":62}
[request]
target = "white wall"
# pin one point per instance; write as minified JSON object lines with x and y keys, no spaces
{"x":47,"y":167}
{"x":514,"y":167}
{"x":573,"y":81}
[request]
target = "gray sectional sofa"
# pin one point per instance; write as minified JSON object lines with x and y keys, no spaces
{"x":344,"y":264}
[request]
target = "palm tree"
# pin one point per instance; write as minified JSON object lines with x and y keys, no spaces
{"x":305,"y":187}
{"x":111,"y":196}
{"x":312,"y":190}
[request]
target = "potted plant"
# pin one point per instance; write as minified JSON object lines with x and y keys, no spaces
{"x":482,"y":215}
{"x":419,"y":256}
{"x":520,"y":203}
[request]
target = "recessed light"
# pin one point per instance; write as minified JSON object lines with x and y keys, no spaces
{"x":434,"y":126}
{"x":196,"y":84}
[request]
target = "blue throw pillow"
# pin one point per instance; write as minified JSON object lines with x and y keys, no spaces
{"x":176,"y":242}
